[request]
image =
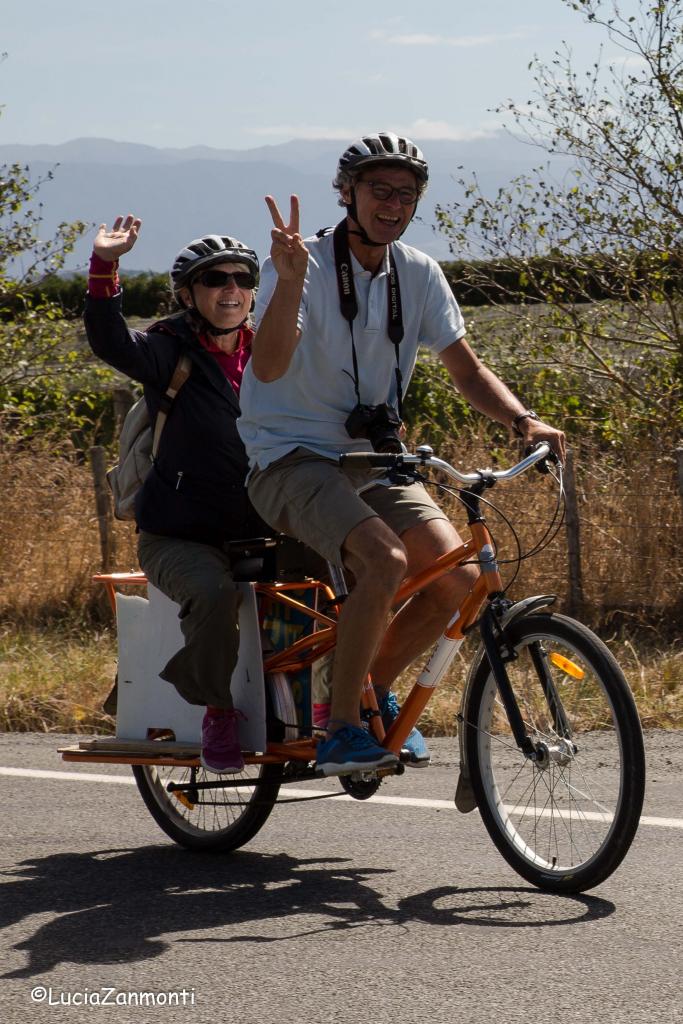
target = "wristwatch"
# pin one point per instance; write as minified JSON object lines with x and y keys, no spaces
{"x":528,"y":414}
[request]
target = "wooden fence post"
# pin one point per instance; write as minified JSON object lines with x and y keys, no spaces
{"x":105,"y":519}
{"x":575,"y":602}
{"x":123,"y":400}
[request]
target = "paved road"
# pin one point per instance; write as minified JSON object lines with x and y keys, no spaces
{"x":343,"y":912}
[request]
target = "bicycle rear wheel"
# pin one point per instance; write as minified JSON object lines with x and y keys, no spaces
{"x":566,"y":820}
{"x":209,"y":819}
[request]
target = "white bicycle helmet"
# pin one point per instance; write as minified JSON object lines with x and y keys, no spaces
{"x":384,"y":147}
{"x":205,"y":252}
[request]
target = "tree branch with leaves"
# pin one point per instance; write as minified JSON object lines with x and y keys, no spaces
{"x":593,"y":260}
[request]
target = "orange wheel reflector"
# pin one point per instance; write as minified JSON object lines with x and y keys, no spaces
{"x":567,"y":666}
{"x":181,"y":798}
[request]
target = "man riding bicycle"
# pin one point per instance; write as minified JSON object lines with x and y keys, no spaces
{"x":339,"y":321}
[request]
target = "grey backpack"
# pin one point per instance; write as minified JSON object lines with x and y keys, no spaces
{"x":138,"y":445}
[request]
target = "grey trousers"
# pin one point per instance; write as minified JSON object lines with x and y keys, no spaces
{"x":198,"y":578}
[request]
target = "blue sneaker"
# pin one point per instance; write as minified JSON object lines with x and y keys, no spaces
{"x":414,"y":743}
{"x":351,"y":749}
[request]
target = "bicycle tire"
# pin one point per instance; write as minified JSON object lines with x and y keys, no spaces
{"x":221,"y":819}
{"x":566,"y":822}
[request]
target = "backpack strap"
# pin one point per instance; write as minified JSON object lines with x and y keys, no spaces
{"x":180,"y":375}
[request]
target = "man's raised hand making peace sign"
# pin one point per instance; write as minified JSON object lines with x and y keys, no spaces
{"x":278,"y":334}
{"x":288,"y":252}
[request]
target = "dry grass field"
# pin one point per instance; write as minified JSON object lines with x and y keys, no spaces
{"x":57,"y":643}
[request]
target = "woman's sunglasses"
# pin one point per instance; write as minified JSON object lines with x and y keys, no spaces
{"x":221,"y":279}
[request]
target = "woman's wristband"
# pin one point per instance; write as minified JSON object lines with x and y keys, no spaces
{"x":103,"y":277}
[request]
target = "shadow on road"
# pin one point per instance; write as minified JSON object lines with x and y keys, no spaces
{"x":114,"y":906}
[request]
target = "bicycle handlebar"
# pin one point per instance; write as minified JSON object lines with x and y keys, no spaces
{"x":424,"y":456}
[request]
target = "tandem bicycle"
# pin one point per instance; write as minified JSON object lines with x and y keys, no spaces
{"x":550,"y":743}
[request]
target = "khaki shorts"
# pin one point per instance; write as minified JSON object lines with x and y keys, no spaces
{"x":316,"y":501}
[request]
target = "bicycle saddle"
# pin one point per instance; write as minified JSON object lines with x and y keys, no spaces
{"x":274,"y":559}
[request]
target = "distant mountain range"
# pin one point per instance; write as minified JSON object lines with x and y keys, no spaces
{"x":183,"y":193}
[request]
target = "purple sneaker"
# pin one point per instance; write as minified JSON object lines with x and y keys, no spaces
{"x":221,"y":750}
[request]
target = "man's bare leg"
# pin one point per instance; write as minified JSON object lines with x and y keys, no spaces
{"x":377,"y":559}
{"x":420,"y":623}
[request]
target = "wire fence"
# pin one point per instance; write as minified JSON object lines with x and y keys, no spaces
{"x":57,"y":529}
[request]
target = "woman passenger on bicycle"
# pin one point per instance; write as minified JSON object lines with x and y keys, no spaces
{"x":193,"y":500}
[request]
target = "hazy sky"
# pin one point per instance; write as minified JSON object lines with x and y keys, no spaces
{"x":238,"y":75}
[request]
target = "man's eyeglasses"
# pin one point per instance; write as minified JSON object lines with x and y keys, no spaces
{"x":222,"y":278}
{"x":382,"y":190}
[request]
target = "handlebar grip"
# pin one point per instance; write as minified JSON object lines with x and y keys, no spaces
{"x":541,"y":466}
{"x":370,"y":460}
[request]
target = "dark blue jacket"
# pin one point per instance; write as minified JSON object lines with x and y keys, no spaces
{"x":195,"y":490}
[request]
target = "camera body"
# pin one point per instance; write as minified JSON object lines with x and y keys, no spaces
{"x":380,"y":424}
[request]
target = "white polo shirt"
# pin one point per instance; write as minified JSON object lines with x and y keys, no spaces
{"x":309,"y":404}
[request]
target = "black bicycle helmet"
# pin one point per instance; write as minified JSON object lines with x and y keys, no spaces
{"x":384,"y":147}
{"x":205,"y":252}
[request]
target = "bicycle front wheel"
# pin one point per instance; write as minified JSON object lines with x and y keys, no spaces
{"x":209,"y":819}
{"x":565,"y":819}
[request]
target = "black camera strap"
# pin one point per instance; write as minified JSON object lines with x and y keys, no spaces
{"x":348,"y":304}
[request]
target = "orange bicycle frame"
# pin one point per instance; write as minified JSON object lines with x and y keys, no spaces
{"x":306,"y":650}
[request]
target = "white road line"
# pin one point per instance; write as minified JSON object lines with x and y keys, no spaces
{"x":306,"y":794}
{"x":448,"y":805}
{"x":39,"y":773}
